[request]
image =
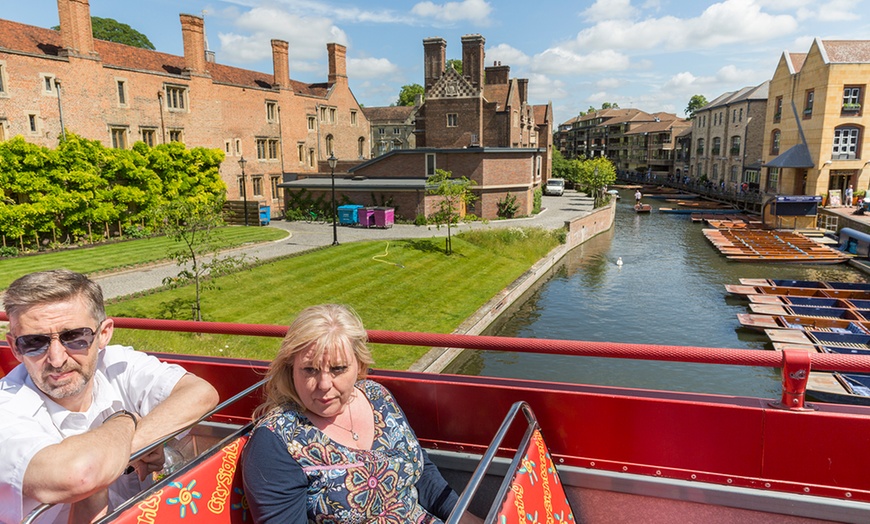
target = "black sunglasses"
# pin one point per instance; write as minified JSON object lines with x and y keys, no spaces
{"x":78,"y":339}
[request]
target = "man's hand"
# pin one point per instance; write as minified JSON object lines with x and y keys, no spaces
{"x":150,"y":462}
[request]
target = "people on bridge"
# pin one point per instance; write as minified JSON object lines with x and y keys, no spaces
{"x":75,"y":408}
{"x":332,"y":446}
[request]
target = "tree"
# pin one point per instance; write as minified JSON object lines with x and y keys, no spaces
{"x":454,"y":192}
{"x":192,"y":225}
{"x":408,"y":94}
{"x":695,"y":103}
{"x":455,"y":64}
{"x":113,"y":31}
{"x":595,"y":174}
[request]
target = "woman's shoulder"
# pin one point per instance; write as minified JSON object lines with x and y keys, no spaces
{"x":374,"y":390}
{"x":281,"y":418}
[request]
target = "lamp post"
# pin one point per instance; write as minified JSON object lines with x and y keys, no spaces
{"x":332,"y":161}
{"x":242,"y":163}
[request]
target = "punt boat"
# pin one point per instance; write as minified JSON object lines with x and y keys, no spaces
{"x":814,"y":284}
{"x":819,"y":338}
{"x":761,"y":322}
{"x":524,"y":450}
{"x":783,"y":300}
{"x":743,"y":290}
{"x":810,"y":312}
{"x":642,"y":208}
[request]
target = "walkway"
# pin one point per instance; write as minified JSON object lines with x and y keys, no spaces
{"x":304,"y":236}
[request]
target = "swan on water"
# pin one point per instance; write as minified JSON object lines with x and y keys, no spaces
{"x":619,"y":261}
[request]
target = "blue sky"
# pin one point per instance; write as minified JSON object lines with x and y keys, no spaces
{"x":649,"y":54}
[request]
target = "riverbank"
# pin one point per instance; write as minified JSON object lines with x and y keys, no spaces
{"x":579,"y":230}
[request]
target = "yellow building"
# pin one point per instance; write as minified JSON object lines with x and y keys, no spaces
{"x":816,"y":125}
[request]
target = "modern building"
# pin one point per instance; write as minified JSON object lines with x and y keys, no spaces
{"x":117,"y":94}
{"x":816,"y":126}
{"x":728,"y":135}
{"x":630,"y":138}
{"x":478,"y":124}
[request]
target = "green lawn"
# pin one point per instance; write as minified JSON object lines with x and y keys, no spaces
{"x":406,"y":285}
{"x":124,"y":254}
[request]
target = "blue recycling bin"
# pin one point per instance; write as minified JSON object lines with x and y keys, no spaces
{"x":348,"y":214}
{"x":265,"y":215}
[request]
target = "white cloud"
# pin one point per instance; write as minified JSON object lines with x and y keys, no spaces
{"x":542,"y":87}
{"x":561,"y":61}
{"x":370,"y":68}
{"x":728,"y":22}
{"x":474,"y":10}
{"x":608,"y":83}
{"x":832,"y":11}
{"x":507,"y":55}
{"x":603,"y":10}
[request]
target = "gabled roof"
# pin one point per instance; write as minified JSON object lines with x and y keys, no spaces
{"x":659,"y":126}
{"x":846,"y":51}
{"x":497,"y":93}
{"x":38,"y":41}
{"x":542,"y":114}
{"x":758,"y":92}
{"x":388,"y":114}
{"x":797,"y":61}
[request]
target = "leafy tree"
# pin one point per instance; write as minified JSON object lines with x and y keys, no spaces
{"x":118,"y":32}
{"x":408,"y":94}
{"x":609,"y":105}
{"x":454,"y":192}
{"x":695,"y":103}
{"x":455,"y":64}
{"x":192,"y":224}
{"x":595,"y":174}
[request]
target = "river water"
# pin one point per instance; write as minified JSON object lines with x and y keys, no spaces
{"x":669,"y":291}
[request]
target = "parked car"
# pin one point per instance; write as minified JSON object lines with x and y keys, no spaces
{"x":555,"y":187}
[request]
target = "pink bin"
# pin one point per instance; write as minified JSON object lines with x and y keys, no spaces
{"x":383,"y":216}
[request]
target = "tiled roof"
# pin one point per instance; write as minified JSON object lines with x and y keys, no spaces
{"x":388,"y":114}
{"x":497,"y":93}
{"x":542,"y":114}
{"x":847,"y":51}
{"x":797,"y":61}
{"x":758,"y":92}
{"x":47,"y":42}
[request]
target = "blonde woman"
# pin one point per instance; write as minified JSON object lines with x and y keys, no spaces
{"x":331,"y":446}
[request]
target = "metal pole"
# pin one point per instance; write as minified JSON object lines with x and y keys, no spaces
{"x":60,"y":110}
{"x":334,"y":209}
{"x":245,"y":194}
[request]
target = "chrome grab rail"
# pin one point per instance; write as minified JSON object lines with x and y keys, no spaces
{"x":42,"y":508}
{"x":489,"y":455}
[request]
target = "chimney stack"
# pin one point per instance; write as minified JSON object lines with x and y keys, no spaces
{"x":193,"y":37}
{"x":472,"y":59}
{"x":434,"y":60}
{"x":281,"y":63}
{"x":75,"y":28}
{"x":337,"y":63}
{"x":524,"y":89}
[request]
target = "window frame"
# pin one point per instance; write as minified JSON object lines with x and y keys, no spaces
{"x":176,"y":97}
{"x":431,"y":164}
{"x":257,"y":185}
{"x":274,"y":180}
{"x":148,"y":131}
{"x":118,"y":135}
{"x":4,"y":82}
{"x":47,"y":81}
{"x":312,"y":123}
{"x":176,"y":135}
{"x":353,"y":117}
{"x":261,"y":148}
{"x":271,"y":111}
{"x":809,"y":99}
{"x":775,"y":139}
{"x":121,"y":85}
{"x":846,"y":143}
{"x":777,"y":110}
{"x":852,"y":101}
{"x":452,"y":119}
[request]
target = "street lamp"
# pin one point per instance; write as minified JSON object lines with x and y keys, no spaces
{"x":332,"y":161}
{"x":242,"y":163}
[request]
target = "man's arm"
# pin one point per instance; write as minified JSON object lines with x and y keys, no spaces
{"x":190,"y":399}
{"x":80,"y":465}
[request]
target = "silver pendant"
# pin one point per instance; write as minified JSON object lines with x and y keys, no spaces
{"x":354,"y":435}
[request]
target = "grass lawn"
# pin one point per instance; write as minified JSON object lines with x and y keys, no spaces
{"x":126,"y":254}
{"x":402,"y":285}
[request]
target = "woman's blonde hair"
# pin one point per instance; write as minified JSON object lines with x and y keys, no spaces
{"x":328,"y":329}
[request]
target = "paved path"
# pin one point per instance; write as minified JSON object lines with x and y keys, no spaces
{"x":304,"y":236}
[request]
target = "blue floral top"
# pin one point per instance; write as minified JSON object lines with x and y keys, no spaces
{"x":293,"y":472}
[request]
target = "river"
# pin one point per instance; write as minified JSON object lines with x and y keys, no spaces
{"x":669,"y":291}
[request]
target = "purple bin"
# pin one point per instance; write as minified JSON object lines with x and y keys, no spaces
{"x":383,"y":216}
{"x":366,"y":217}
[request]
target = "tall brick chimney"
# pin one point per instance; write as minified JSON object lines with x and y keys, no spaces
{"x":337,"y":62}
{"x":193,"y":37}
{"x":75,"y":28}
{"x":472,"y":59}
{"x":497,"y":74}
{"x":281,"y":63}
{"x":434,"y":59}
{"x":524,"y":89}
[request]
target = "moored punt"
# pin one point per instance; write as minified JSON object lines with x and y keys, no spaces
{"x":818,"y":338}
{"x":642,"y":208}
{"x":810,"y":312}
{"x":739,"y":289}
{"x":688,"y":211}
{"x":750,"y":245}
{"x":760,"y":322}
{"x":817,"y":284}
{"x":807,"y":301}
{"x":699,"y":458}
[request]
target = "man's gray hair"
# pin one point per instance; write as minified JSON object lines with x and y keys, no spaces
{"x":48,"y":287}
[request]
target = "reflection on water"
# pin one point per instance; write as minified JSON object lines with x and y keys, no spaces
{"x":670,"y":291}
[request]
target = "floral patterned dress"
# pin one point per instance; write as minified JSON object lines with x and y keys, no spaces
{"x":342,"y":484}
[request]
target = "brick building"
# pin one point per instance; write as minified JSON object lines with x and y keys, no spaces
{"x":478,"y":124}
{"x":728,"y":134}
{"x":816,"y":125}
{"x":392,"y":128}
{"x":120,"y":94}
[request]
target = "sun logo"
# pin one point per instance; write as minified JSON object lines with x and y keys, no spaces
{"x":186,"y":497}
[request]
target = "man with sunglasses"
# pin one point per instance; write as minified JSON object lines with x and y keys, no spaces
{"x":76,"y":408}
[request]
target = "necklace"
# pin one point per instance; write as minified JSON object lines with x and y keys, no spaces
{"x":354,"y":435}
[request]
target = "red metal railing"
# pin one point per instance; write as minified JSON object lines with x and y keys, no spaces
{"x":796,"y":364}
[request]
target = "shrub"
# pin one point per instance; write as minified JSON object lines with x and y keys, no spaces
{"x":8,"y":251}
{"x":508,"y":207}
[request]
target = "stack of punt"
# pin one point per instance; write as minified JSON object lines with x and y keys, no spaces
{"x":848,"y":294}
{"x":755,"y":245}
{"x":811,"y":312}
{"x":814,"y":284}
{"x":760,"y":322}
